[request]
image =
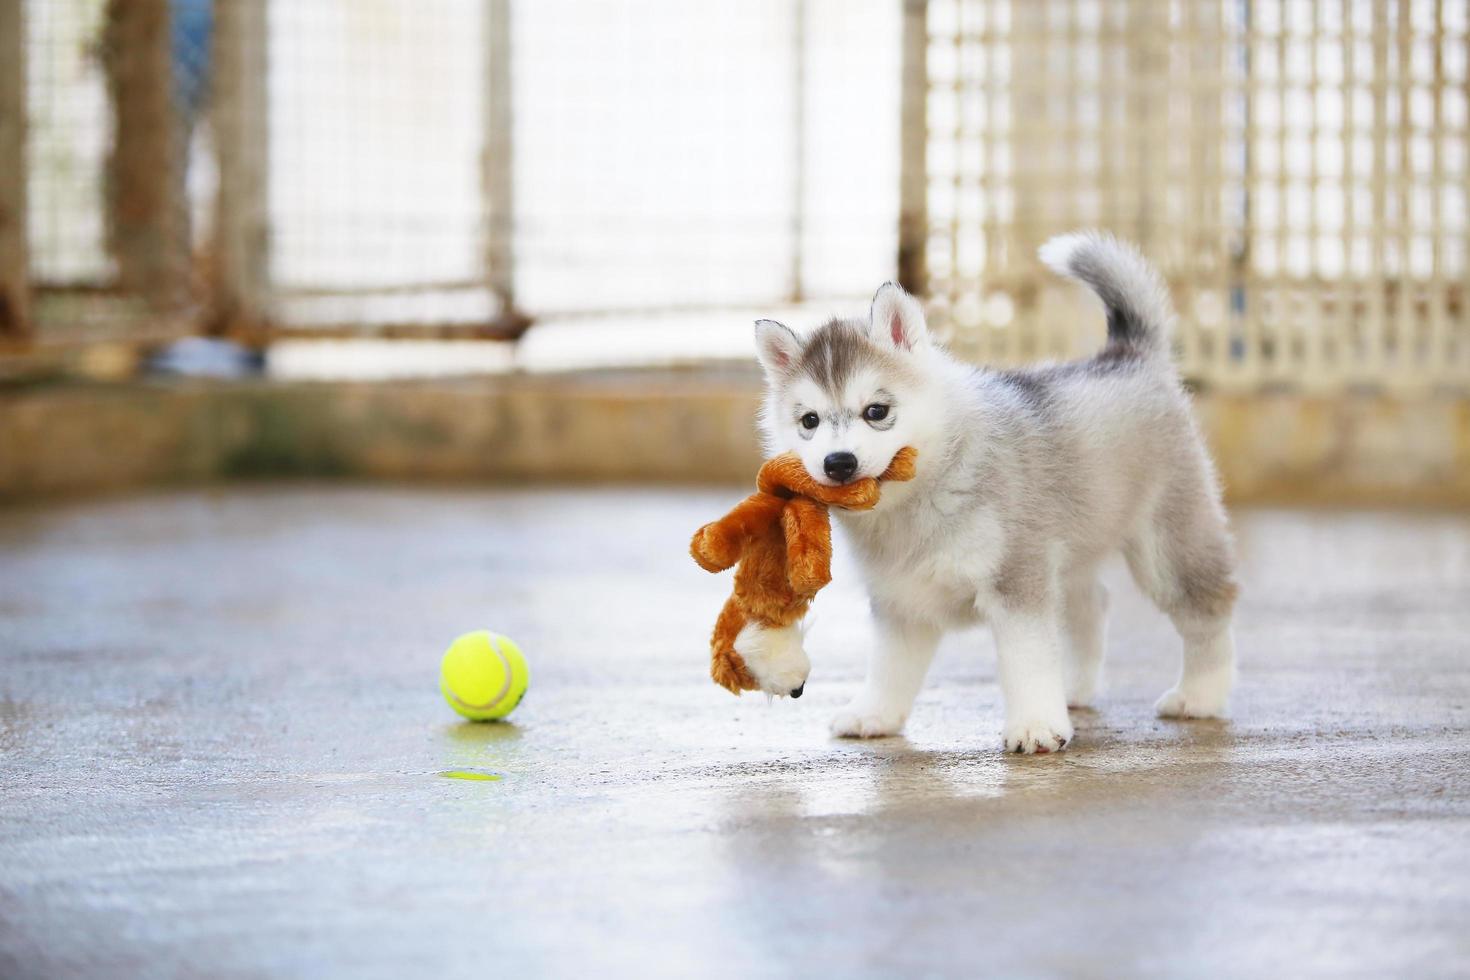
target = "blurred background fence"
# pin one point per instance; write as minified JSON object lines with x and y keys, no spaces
{"x":377,"y":168}
{"x":447,"y":167}
{"x":1297,"y":168}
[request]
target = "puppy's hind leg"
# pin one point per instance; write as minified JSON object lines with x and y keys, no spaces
{"x":1084,"y":625}
{"x":896,"y":667}
{"x":1182,"y":558}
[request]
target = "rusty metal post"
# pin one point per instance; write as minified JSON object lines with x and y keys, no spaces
{"x":499,"y":171}
{"x":1148,"y":117}
{"x":145,"y":210}
{"x":14,"y":254}
{"x":913,"y":129}
{"x":241,"y":285}
{"x":796,"y":288}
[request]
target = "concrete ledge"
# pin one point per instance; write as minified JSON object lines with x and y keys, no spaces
{"x":67,"y":439}
{"x":695,"y":426}
{"x":1351,"y":449}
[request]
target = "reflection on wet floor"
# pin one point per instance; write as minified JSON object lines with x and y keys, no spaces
{"x":473,"y":775}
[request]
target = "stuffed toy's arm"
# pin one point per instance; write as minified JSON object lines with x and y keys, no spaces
{"x":719,"y":544}
{"x":808,"y":532}
{"x":901,"y":468}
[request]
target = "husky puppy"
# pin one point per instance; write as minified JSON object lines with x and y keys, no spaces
{"x":1026,"y":481}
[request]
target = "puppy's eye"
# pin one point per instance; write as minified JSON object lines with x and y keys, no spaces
{"x":810,"y":420}
{"x":875,"y":413}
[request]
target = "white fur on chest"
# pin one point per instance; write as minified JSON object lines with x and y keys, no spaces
{"x":928,"y":565}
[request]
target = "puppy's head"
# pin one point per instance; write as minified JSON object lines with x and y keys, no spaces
{"x":849,"y":395}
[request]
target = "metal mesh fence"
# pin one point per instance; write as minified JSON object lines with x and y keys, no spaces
{"x":695,"y":154}
{"x":1298,"y":169}
{"x":68,"y":132}
{"x":371,"y":165}
{"x":377,"y":123}
{"x":115,"y":181}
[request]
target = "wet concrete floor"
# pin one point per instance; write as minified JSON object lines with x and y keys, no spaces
{"x":221,"y":739}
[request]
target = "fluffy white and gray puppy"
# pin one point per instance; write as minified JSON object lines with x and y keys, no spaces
{"x":1027,"y":480}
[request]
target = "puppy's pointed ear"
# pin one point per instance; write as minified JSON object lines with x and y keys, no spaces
{"x":897,"y":319}
{"x":776,"y":346}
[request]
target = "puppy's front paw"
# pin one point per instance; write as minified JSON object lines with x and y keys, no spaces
{"x":1031,"y":736}
{"x":863,"y":719}
{"x":1179,"y":703}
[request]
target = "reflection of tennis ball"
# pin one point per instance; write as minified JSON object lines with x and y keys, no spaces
{"x":483,"y":675}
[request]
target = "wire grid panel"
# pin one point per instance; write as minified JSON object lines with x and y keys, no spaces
{"x":1298,"y":170}
{"x":709,"y":154}
{"x":117,"y":183}
{"x":376,"y":116}
{"x":665,"y":155}
{"x":67,"y":107}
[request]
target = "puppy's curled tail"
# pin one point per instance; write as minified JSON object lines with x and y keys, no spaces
{"x":1140,"y":316}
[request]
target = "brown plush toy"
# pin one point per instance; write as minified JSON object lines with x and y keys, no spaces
{"x":781,"y":536}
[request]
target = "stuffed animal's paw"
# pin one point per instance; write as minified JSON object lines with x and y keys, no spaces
{"x":902,"y":467}
{"x":714,"y":548}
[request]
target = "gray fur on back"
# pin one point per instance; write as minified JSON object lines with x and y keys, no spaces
{"x":1043,"y":470}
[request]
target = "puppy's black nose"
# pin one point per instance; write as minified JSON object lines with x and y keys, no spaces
{"x":840,"y":466}
{"x":797,"y":693}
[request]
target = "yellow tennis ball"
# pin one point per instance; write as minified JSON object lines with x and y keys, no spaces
{"x":483,"y":675}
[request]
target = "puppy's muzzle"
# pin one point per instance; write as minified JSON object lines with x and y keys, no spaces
{"x":797,"y":692}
